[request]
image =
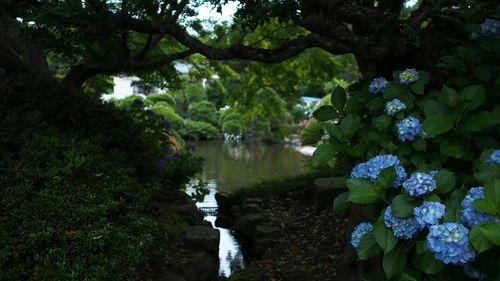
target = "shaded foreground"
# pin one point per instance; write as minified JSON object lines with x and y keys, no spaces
{"x":298,"y":243}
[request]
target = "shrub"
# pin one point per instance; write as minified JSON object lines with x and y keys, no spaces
{"x":77,"y":180}
{"x":163,"y":97}
{"x":203,"y":111}
{"x":311,"y":134}
{"x":168,"y":113}
{"x":232,"y":127}
{"x":198,"y":130}
{"x":431,"y":174}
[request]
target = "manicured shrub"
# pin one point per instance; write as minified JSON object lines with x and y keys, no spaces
{"x":163,"y":97}
{"x":312,"y":132}
{"x":198,"y":130}
{"x":203,"y":111}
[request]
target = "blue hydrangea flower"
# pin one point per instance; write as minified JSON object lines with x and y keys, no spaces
{"x":372,"y":168}
{"x":433,"y":173}
{"x":408,"y":76}
{"x":490,"y":28}
{"x":378,"y":85}
{"x":494,"y":157}
{"x":473,"y":273}
{"x":394,"y":106}
{"x":470,"y":214}
{"x":429,"y":213}
{"x":450,"y":243}
{"x":360,"y":230}
{"x":405,"y":228}
{"x":419,"y":184}
{"x":408,"y":128}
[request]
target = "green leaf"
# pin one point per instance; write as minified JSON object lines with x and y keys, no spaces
{"x":472,"y":97}
{"x":483,"y":73}
{"x":424,"y":77}
{"x":376,"y":104}
{"x":478,"y":240}
{"x":488,"y":172}
{"x":410,"y":275}
{"x":385,"y":178}
{"x":340,"y":203}
{"x":394,"y":91}
{"x":339,"y":99}
{"x":445,"y":181}
{"x":426,"y":263}
{"x":418,"y":88}
{"x":437,"y":124}
{"x":394,"y":262}
{"x":433,"y":107}
{"x":491,"y":230}
{"x":384,"y":236}
{"x":368,"y":246}
{"x":432,"y":198}
{"x":448,"y":96}
{"x":324,"y":153}
{"x":362,"y":191}
{"x":325,"y":113}
{"x":482,"y":121}
{"x":419,"y":144}
{"x":350,"y":125}
{"x":383,"y":122}
{"x":402,"y":206}
{"x":455,"y":150}
{"x":492,"y":193}
{"x":334,"y":131}
{"x":485,"y":205}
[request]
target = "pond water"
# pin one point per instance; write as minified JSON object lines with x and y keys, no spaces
{"x":230,"y":166}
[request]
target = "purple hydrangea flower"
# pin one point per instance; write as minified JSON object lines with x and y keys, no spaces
{"x":420,"y":184}
{"x":470,"y":214}
{"x":408,"y":76}
{"x":408,"y":128}
{"x":394,"y":106}
{"x":373,"y":167}
{"x":450,"y":243}
{"x":490,"y":28}
{"x":378,"y":85}
{"x":494,"y":157}
{"x":360,"y":230}
{"x":429,"y":213}
{"x":405,"y":228}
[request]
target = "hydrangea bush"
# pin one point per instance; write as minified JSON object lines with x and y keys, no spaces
{"x":427,"y":159}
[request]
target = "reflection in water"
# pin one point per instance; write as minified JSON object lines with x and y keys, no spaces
{"x":229,"y":166}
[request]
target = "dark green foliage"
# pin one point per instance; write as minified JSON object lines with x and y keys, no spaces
{"x":203,"y":111}
{"x":312,"y":132}
{"x":198,"y":130}
{"x":165,"y":97}
{"x":77,"y":179}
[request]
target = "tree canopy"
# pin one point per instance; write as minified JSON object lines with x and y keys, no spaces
{"x":77,"y":40}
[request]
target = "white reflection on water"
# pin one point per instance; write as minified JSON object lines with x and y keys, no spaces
{"x":230,"y":255}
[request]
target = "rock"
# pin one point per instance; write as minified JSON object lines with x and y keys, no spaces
{"x":251,"y":208}
{"x":190,"y":212}
{"x":224,"y":202}
{"x":265,"y":231}
{"x":172,"y":277}
{"x":250,"y":274}
{"x":200,"y":267}
{"x":224,"y":222}
{"x":325,"y":191}
{"x":246,"y":225}
{"x":261,"y":246}
{"x":203,"y":238}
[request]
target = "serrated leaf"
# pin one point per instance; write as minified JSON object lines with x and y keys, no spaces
{"x":437,"y":124}
{"x":445,"y":181}
{"x":340,"y":203}
{"x":325,"y":113}
{"x":324,"y":153}
{"x":339,"y":99}
{"x":394,"y":262}
{"x":403,"y":207}
{"x":368,"y":246}
{"x":362,"y":191}
{"x":384,"y":236}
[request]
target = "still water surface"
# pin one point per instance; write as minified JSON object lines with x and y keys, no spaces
{"x":230,"y":166}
